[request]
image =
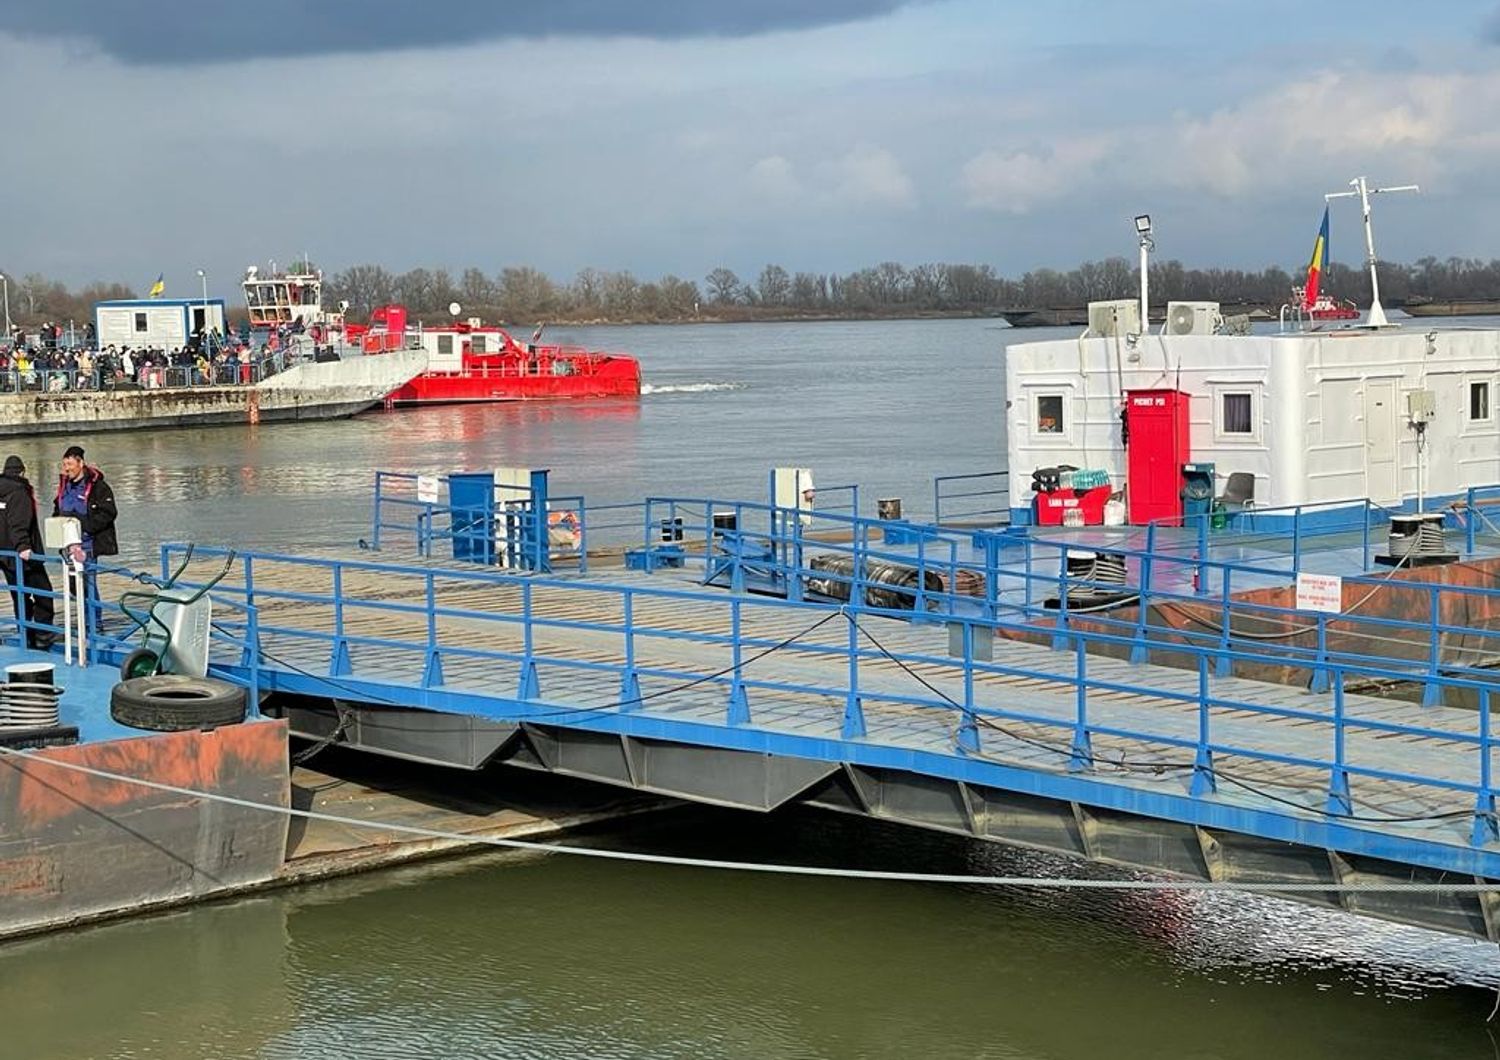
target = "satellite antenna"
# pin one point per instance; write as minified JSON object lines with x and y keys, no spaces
{"x":1376,"y":317}
{"x":454,"y":309}
{"x":251,"y":271}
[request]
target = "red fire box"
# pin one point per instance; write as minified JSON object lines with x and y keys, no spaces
{"x":1050,"y":507}
{"x":1156,"y":446}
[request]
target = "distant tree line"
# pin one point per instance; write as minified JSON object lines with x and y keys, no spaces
{"x":889,"y":289}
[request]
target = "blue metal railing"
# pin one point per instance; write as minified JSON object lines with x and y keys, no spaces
{"x":239,"y":633}
{"x":983,"y":495}
{"x":1216,"y":727}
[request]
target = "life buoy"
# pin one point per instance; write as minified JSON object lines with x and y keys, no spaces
{"x":563,"y":530}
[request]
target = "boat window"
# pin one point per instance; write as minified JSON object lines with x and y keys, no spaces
{"x":1479,"y":401}
{"x":140,"y":322}
{"x":1049,"y":414}
{"x":1235,"y":413}
{"x":476,"y":344}
{"x":445,"y":345}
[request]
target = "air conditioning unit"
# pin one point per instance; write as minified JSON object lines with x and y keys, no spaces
{"x":1121,"y":316}
{"x":1192,"y":318}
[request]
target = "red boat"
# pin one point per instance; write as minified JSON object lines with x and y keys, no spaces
{"x":467,"y":361}
{"x":1325,"y":308}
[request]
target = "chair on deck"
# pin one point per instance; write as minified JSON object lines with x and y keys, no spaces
{"x":1239,"y":494}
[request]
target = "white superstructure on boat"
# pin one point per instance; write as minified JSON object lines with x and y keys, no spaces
{"x":1314,"y":417}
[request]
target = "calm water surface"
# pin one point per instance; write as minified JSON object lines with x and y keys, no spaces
{"x":510,"y":956}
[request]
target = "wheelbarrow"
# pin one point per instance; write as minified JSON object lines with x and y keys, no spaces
{"x":174,"y":624}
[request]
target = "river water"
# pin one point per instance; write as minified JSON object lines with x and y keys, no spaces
{"x":529,"y":956}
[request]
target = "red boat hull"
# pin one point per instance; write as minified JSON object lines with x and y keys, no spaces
{"x":518,"y":380}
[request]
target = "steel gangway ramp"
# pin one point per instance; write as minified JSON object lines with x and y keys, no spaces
{"x":1003,"y":729}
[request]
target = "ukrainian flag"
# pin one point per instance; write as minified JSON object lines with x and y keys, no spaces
{"x":159,"y":287}
{"x":1318,"y":263}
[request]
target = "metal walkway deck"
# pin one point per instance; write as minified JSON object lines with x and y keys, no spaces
{"x":652,"y":682}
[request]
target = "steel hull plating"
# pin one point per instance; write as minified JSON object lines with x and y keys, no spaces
{"x":611,"y":377}
{"x":76,"y":847}
{"x":302,"y":392}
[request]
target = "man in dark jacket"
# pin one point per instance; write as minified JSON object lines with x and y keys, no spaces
{"x":83,"y":494}
{"x":20,"y":533}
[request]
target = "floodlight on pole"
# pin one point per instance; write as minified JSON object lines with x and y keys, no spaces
{"x":5,"y":285}
{"x":1362,"y":191}
{"x":1143,"y":234}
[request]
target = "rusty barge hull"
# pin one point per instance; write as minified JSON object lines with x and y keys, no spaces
{"x":76,"y":847}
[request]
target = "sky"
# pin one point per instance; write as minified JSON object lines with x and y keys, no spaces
{"x":675,"y":136}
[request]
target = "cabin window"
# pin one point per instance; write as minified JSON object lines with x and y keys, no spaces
{"x":1236,"y":410}
{"x":1049,"y":414}
{"x":476,"y":344}
{"x":140,"y":322}
{"x":1479,"y":402}
{"x":445,"y":345}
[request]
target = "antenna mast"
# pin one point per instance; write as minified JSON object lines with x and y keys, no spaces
{"x":1376,"y":317}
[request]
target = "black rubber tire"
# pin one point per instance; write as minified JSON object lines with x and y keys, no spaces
{"x":174,"y":703}
{"x":142,"y":662}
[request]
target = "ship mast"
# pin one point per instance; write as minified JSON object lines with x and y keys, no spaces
{"x":1376,"y":317}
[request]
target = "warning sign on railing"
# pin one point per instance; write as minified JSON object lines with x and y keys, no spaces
{"x":427,"y":489}
{"x":1320,"y":592}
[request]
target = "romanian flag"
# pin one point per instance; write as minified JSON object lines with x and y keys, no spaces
{"x":1316,"y":266}
{"x":159,"y":287}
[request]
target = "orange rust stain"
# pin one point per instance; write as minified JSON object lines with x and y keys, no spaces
{"x":198,"y":760}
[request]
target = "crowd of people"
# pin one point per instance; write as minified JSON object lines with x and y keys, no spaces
{"x":204,"y":361}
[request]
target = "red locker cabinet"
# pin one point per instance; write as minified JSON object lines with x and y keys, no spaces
{"x":1156,"y":447}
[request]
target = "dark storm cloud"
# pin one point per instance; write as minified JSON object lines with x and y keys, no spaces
{"x":194,"y":31}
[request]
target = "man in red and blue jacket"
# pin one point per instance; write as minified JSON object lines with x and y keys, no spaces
{"x":83,"y":494}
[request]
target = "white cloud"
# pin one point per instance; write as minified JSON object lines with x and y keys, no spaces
{"x":1017,"y":181}
{"x":772,"y":177}
{"x":871,"y":175}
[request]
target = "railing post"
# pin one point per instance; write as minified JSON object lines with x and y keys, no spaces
{"x":794,"y":571}
{"x":250,"y":658}
{"x":991,"y":575}
{"x":246,"y":658}
{"x":854,"y":711}
{"x":1223,"y":666}
{"x":529,"y":686}
{"x":1471,"y":521}
{"x":1060,"y":635}
{"x":968,"y":727}
{"x":1485,"y":830}
{"x":1432,"y":692}
{"x":937,"y":501}
{"x":1365,"y":543}
{"x":1200,"y":581}
{"x":739,"y":704}
{"x":1139,"y":653}
{"x":1026,"y":602}
{"x":919,"y":602}
{"x":432,"y":671}
{"x":1082,"y":756}
{"x":379,"y":496}
{"x":339,"y":662}
{"x":1296,"y":541}
{"x":630,"y":684}
{"x":1339,"y":802}
{"x":1319,"y":679}
{"x":1204,"y":781}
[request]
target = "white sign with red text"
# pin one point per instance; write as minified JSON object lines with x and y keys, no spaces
{"x":1320,"y":592}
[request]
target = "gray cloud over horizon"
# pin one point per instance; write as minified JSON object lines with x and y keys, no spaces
{"x":192,"y":32}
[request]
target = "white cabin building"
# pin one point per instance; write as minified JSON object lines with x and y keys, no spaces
{"x":161,"y":323}
{"x":1315,"y":417}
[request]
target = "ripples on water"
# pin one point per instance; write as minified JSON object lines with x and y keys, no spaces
{"x":531,"y":956}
